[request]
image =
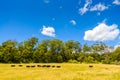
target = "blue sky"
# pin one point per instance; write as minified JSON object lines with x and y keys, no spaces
{"x":86,"y":21}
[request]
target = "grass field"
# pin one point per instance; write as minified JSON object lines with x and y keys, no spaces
{"x":66,"y":72}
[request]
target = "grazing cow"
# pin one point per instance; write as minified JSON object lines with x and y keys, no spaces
{"x":53,"y":66}
{"x":12,"y":65}
{"x":90,"y":66}
{"x":20,"y":65}
{"x":27,"y":66}
{"x":47,"y":66}
{"x":58,"y":66}
{"x":38,"y":65}
{"x":32,"y":66}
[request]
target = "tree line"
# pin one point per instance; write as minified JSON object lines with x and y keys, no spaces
{"x":56,"y":51}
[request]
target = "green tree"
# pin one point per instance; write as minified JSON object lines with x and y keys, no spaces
{"x":81,"y":57}
{"x":9,"y":50}
{"x":1,"y":54}
{"x":98,"y":47}
{"x":89,"y":59}
{"x":96,"y":56}
{"x":86,"y":48}
{"x":55,"y":49}
{"x":29,"y":48}
{"x":41,"y":50}
{"x":106,"y":58}
{"x":116,"y":54}
{"x":72,"y":47}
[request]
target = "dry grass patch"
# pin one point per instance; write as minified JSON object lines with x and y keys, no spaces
{"x":65,"y":72}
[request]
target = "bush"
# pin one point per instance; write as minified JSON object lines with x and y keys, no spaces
{"x":117,"y":62}
{"x":105,"y":62}
{"x":89,"y":59}
{"x":72,"y":61}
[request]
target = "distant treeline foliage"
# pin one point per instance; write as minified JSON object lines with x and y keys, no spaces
{"x":56,"y":51}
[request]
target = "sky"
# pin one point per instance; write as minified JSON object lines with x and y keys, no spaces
{"x":86,"y":21}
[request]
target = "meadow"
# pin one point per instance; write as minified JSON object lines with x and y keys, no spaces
{"x":67,"y":71}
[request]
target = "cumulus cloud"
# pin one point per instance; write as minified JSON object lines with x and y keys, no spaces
{"x":98,"y":7}
{"x":73,"y":22}
{"x":102,"y":32}
{"x":116,"y":2}
{"x":86,"y":7}
{"x":48,"y":31}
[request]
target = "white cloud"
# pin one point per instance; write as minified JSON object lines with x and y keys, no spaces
{"x":48,"y":31}
{"x":86,"y":7}
{"x":99,"y":7}
{"x":116,"y":2}
{"x":46,"y":1}
{"x":102,"y":32}
{"x":73,"y":22}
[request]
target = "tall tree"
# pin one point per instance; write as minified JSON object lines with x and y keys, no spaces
{"x":55,"y":49}
{"x":41,"y":50}
{"x":29,"y":48}
{"x":9,"y":50}
{"x":71,"y":47}
{"x":116,"y":54}
{"x":98,"y":47}
{"x":86,"y":48}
